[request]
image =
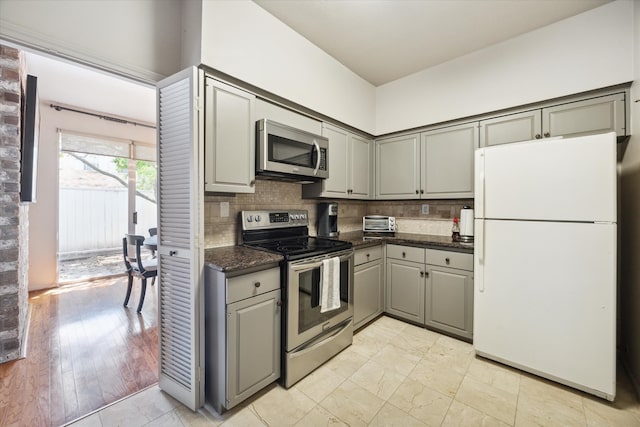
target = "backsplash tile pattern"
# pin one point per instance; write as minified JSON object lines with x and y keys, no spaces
{"x":224,"y":230}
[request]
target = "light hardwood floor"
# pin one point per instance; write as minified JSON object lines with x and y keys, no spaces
{"x":85,"y":351}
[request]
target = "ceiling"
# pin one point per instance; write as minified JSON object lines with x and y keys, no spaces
{"x":380,"y":40}
{"x":69,"y":84}
{"x":384,"y":40}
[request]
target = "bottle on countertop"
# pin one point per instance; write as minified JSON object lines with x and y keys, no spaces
{"x":455,"y":230}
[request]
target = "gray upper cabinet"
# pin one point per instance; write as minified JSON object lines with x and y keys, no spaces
{"x":229,"y":139}
{"x":596,"y":115}
{"x":430,"y":165}
{"x":398,"y":167}
{"x":447,"y":161}
{"x":582,"y":117}
{"x":350,"y":160}
{"x":517,"y":127}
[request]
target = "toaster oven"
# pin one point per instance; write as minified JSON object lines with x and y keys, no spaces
{"x":379,"y":224}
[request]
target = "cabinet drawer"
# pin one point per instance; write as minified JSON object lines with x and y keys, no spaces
{"x":368,"y":254}
{"x":449,"y":259}
{"x":252,"y":284}
{"x":407,"y":253}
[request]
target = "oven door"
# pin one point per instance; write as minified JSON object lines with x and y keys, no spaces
{"x":304,"y":319}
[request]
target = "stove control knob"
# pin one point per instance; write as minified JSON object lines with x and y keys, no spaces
{"x":249,"y":218}
{"x":303,"y":216}
{"x":295,"y":217}
{"x":258,"y":218}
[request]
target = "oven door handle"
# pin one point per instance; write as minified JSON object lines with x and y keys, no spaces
{"x":316,"y":264}
{"x":311,"y":346}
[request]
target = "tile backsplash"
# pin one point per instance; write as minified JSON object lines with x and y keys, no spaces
{"x":222,"y":211}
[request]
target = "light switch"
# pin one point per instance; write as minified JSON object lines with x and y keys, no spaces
{"x":425,"y":209}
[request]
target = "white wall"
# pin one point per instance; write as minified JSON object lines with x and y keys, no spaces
{"x":43,"y":215}
{"x":630,"y":224}
{"x":137,"y":38}
{"x":584,"y":52}
{"x":242,"y":39}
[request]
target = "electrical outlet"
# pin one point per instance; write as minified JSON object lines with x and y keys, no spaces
{"x":224,"y":209}
{"x":425,"y":209}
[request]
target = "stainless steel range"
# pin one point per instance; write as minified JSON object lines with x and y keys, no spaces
{"x":310,"y":336}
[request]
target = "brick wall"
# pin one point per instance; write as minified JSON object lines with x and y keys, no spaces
{"x":13,"y":215}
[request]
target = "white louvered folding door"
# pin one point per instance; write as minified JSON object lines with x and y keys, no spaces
{"x":180,"y":236}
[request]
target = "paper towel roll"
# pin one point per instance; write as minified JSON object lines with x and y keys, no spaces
{"x":466,"y":222}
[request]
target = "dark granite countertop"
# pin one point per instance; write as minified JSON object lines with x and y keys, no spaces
{"x":420,"y":240}
{"x":236,"y":258}
{"x":231,"y":259}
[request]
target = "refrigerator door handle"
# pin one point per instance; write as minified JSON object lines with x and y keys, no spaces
{"x":480,"y":184}
{"x":480,"y":254}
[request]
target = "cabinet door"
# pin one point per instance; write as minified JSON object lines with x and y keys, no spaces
{"x":517,"y":127}
{"x":398,"y":167}
{"x":253,"y":345}
{"x":336,"y":184}
{"x":405,"y":290}
{"x":596,"y":115}
{"x":360,"y":161}
{"x":368,"y":294}
{"x":449,"y":301}
{"x":229,"y":139}
{"x":447,"y":161}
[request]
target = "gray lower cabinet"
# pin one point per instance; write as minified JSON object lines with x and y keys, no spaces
{"x":449,"y":292}
{"x":405,"y":282}
{"x":368,"y":285}
{"x":242,"y":335}
{"x":431,"y":287}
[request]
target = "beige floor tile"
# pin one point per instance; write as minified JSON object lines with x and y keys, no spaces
{"x":377,"y":378}
{"x":437,"y":375}
{"x":244,"y":418}
{"x":491,"y":400}
{"x":170,"y":419}
{"x":320,"y":383}
{"x":318,"y":417}
{"x":389,"y":415}
{"x":352,"y":404}
{"x":542,"y":402}
{"x":369,"y":343}
{"x":494,"y":374}
{"x":282,"y":407}
{"x":397,"y":359}
{"x":462,"y":415}
{"x":415,"y":340}
{"x":200,"y":418}
{"x":600,"y":414}
{"x":395,"y":326}
{"x":455,"y":356}
{"x":347,"y":362}
{"x":421,"y":402}
{"x":139,"y":409}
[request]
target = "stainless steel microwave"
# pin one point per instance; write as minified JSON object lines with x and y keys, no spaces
{"x":379,"y":224}
{"x":288,"y":153}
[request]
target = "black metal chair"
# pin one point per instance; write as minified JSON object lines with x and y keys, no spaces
{"x":137,"y":267}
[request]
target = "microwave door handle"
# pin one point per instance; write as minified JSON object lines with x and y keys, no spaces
{"x":317,"y":147}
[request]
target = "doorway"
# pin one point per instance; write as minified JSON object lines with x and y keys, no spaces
{"x":107,"y":188}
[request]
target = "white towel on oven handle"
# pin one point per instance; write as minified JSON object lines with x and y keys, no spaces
{"x":330,"y":284}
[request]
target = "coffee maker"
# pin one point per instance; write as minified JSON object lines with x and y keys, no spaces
{"x":327,"y":219}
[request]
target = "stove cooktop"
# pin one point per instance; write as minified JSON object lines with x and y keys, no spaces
{"x":301,"y":247}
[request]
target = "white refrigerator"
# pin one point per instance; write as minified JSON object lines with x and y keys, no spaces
{"x":545,"y":259}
